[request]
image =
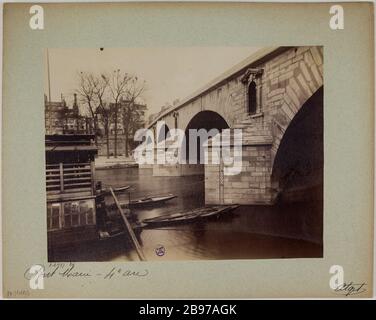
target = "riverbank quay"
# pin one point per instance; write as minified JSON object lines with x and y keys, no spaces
{"x":102,"y":163}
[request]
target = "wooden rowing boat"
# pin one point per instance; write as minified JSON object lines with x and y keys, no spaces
{"x":222,"y":209}
{"x":148,"y":201}
{"x":116,"y":190}
{"x":188,"y":216}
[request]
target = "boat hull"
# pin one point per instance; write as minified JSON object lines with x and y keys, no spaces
{"x":71,"y":236}
{"x":191,"y":216}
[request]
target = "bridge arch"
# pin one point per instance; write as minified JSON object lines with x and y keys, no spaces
{"x":207,"y":120}
{"x":298,"y":161}
{"x":305,"y":82}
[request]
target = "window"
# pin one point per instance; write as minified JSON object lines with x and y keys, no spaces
{"x":252,"y":100}
{"x":78,"y":213}
{"x":70,"y":214}
{"x":53,"y":216}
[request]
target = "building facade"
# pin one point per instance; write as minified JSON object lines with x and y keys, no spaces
{"x":60,"y":119}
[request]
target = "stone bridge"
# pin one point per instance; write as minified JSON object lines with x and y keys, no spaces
{"x":276,"y":97}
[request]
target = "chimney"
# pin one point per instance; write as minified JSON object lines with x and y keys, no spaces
{"x":75,"y":105}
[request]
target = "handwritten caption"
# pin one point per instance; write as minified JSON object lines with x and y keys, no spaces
{"x":351,"y":288}
{"x":71,"y":270}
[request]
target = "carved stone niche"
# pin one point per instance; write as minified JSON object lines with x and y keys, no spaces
{"x":251,"y":74}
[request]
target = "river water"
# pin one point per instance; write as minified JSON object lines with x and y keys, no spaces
{"x":250,"y":232}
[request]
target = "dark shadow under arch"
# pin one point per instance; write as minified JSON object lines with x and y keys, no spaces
{"x":204,"y":120}
{"x":298,"y":164}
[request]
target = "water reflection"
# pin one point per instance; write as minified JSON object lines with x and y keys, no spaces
{"x":250,"y":232}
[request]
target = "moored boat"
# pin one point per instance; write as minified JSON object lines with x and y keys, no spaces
{"x":187,"y":216}
{"x":148,"y":201}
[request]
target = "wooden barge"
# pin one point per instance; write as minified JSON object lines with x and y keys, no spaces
{"x":76,"y":207}
{"x":70,"y":187}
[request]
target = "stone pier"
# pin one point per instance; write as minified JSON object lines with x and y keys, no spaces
{"x":252,"y":185}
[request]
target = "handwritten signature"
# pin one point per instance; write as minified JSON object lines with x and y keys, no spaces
{"x":71,"y":270}
{"x":351,"y":288}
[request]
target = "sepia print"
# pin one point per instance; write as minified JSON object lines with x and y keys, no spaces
{"x":157,"y":154}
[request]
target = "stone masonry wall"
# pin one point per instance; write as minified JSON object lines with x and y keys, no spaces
{"x":288,"y":80}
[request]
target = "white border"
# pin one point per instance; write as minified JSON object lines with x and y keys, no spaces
{"x":259,"y":1}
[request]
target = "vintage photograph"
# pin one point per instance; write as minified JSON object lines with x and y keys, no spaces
{"x":184,"y":153}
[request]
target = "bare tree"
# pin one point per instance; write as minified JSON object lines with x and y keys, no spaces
{"x":103,"y":108}
{"x":86,"y":92}
{"x":131,"y":114}
{"x":118,"y":87}
{"x":110,"y":98}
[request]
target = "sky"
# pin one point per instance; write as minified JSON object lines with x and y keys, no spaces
{"x":169,"y":73}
